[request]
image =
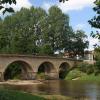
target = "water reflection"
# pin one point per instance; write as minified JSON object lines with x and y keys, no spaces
{"x":76,"y":89}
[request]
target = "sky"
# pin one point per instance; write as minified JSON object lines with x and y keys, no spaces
{"x":79,"y":11}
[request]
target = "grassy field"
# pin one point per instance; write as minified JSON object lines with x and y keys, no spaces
{"x":78,"y":75}
{"x":15,"y":95}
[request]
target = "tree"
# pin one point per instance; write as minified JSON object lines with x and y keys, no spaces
{"x":75,"y":43}
{"x":33,"y":31}
{"x":58,"y":26}
{"x":80,"y":42}
{"x":95,"y":21}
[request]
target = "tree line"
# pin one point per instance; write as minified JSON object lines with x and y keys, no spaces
{"x":35,"y":31}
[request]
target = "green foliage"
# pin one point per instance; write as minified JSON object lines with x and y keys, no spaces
{"x":97,"y":58}
{"x":95,"y":21}
{"x":46,"y":50}
{"x":73,"y":74}
{"x":13,"y":71}
{"x":90,"y":69}
{"x":97,"y":67}
{"x":97,"y":53}
{"x":86,"y":68}
{"x":14,"y":95}
{"x":33,"y":31}
{"x":80,"y":42}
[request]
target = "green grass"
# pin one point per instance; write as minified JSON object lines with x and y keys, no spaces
{"x":91,"y":77}
{"x":15,"y":95}
{"x":78,"y":75}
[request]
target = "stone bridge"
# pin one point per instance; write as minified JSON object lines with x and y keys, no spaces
{"x":32,"y":64}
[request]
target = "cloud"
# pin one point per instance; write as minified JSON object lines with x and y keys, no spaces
{"x":92,"y":41}
{"x":75,"y":5}
{"x":20,"y":4}
{"x":70,"y":5}
{"x":79,"y":26}
{"x":47,"y":5}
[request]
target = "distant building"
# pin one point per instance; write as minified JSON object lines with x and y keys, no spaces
{"x":89,"y":55}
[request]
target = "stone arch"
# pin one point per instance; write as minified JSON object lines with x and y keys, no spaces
{"x":63,"y":69}
{"x":25,"y":69}
{"x":48,"y":69}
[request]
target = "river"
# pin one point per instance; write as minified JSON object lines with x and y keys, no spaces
{"x":75,"y":89}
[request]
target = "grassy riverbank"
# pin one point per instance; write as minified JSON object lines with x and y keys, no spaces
{"x":78,"y":75}
{"x":15,"y":95}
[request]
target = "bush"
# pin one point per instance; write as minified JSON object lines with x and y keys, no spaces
{"x":86,"y":68}
{"x":90,"y":69}
{"x":82,"y":67}
{"x":97,"y":67}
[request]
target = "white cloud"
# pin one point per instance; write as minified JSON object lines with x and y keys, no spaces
{"x":20,"y":4}
{"x":75,"y":5}
{"x":92,"y":41}
{"x":80,"y":26}
{"x":47,"y":5}
{"x":70,"y":5}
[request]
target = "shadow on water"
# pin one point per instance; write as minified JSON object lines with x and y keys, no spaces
{"x":79,"y":90}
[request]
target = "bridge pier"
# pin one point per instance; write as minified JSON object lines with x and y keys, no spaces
{"x":52,"y":75}
{"x":1,"y":76}
{"x":29,"y":76}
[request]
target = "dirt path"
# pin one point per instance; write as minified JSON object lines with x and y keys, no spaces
{"x":22,"y":82}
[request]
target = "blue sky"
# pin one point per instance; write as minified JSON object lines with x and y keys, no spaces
{"x":80,"y":11}
{"x":78,"y":17}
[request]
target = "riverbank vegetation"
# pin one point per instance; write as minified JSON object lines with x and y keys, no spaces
{"x":15,"y":95}
{"x":86,"y":71}
{"x":75,"y":74}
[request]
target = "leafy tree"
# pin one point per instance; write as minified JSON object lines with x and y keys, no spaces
{"x":97,"y":53}
{"x":95,"y":21}
{"x":58,"y":28}
{"x":33,"y":31}
{"x":80,"y":42}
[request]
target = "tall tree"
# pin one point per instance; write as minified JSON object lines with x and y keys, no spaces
{"x":33,"y":30}
{"x":80,"y":42}
{"x":58,"y":26}
{"x":95,"y":21}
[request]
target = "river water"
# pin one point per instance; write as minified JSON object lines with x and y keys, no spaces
{"x":75,"y":89}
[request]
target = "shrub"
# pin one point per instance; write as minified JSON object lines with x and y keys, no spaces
{"x":86,"y":68}
{"x":97,"y":67}
{"x":82,"y":67}
{"x":90,"y":69}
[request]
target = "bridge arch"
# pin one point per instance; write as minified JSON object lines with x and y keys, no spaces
{"x":48,"y":69}
{"x":18,"y":67}
{"x":63,"y":69}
